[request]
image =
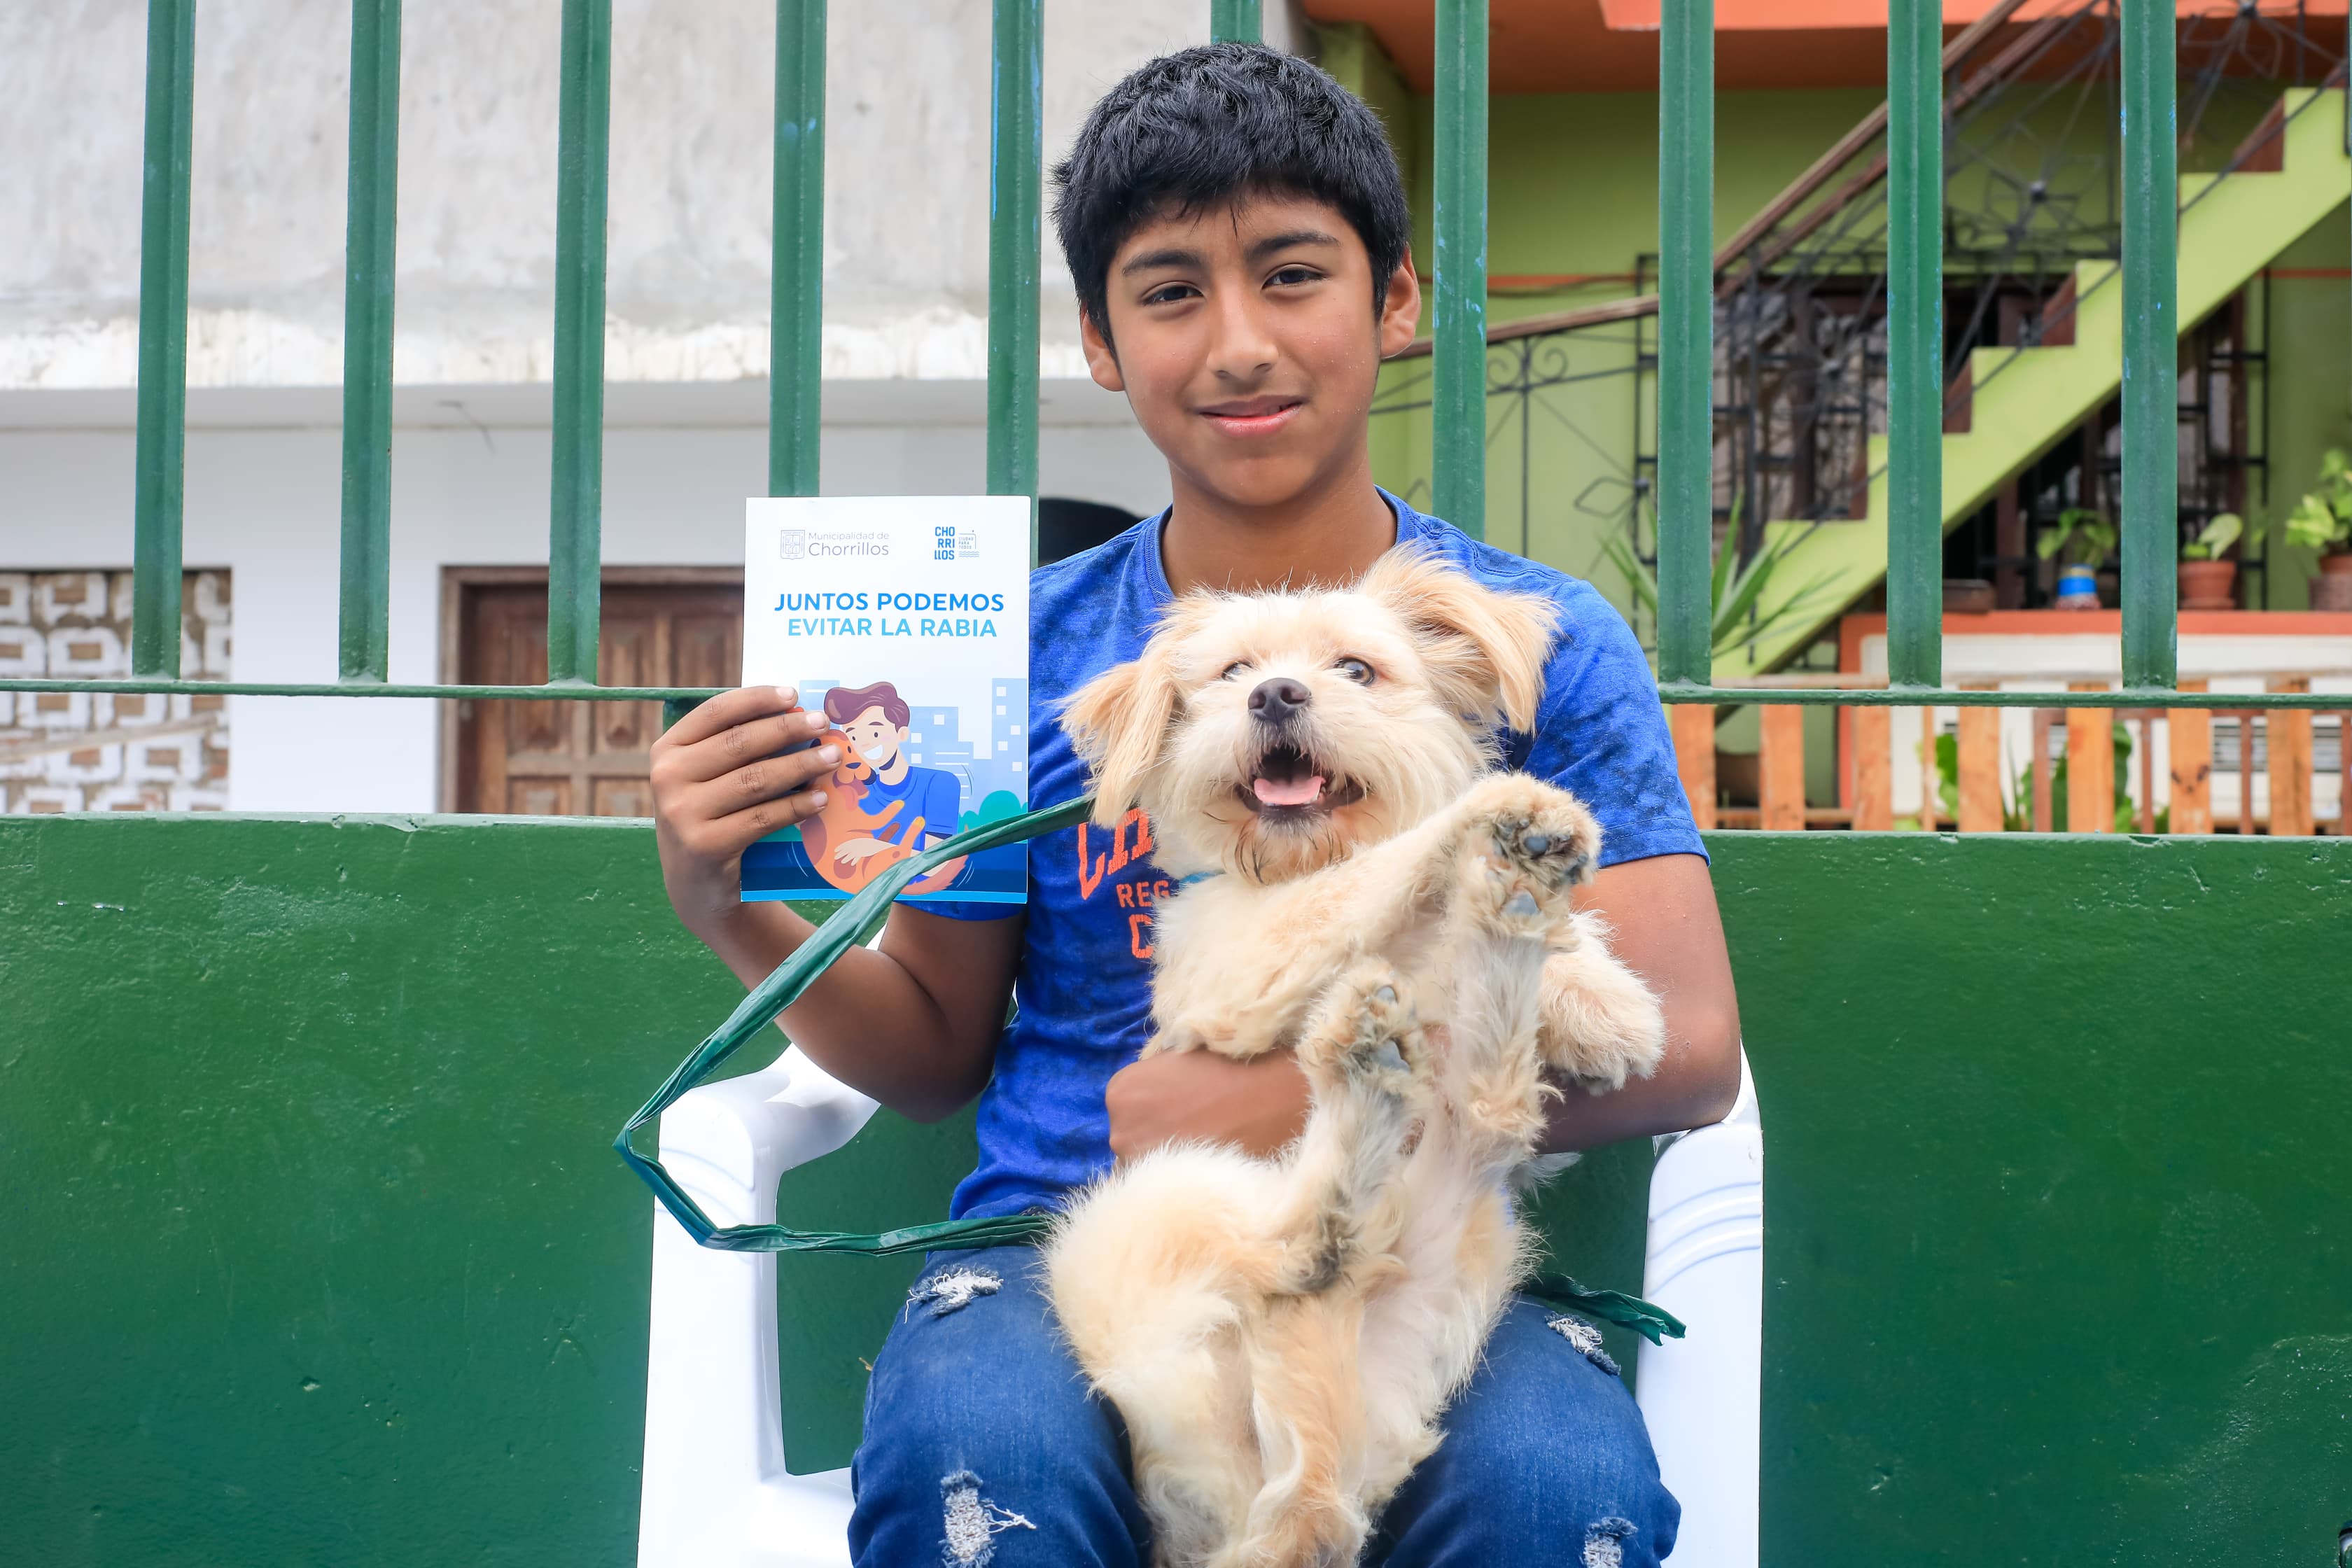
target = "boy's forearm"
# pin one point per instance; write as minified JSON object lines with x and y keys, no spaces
{"x":917,"y":1032}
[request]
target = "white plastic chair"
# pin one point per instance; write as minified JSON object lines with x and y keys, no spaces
{"x":717,"y":1492}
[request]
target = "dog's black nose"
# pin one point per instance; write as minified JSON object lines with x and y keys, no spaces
{"x":1275,"y":700}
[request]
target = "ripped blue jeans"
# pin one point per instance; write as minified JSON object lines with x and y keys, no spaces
{"x":984,"y":1449}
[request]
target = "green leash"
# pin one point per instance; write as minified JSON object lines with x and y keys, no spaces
{"x":779,"y":990}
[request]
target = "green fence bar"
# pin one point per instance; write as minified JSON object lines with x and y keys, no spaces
{"x":575,"y":520}
{"x":1016,"y":155}
{"x":1915,"y":343}
{"x":2151,"y":476}
{"x":1685,"y":482}
{"x":163,"y":338}
{"x":1235,"y":22}
{"x":1457,"y":472}
{"x":796,"y":285}
{"x":364,"y":632}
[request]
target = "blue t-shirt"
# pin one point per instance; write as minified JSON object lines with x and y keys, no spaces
{"x":931,"y":794}
{"x":1084,"y":988}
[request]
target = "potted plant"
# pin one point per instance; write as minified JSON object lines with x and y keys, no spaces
{"x":1738,"y":612}
{"x":2081,"y":540}
{"x":2321,"y":520}
{"x":2208,"y":575}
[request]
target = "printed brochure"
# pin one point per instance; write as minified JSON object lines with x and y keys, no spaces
{"x":905,"y":620}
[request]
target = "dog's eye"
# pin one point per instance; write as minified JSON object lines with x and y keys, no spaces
{"x":1233,"y":670}
{"x":1355,"y":669}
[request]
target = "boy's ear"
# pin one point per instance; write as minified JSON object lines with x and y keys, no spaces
{"x":1102,"y":360}
{"x":1400,"y":308}
{"x":1486,"y":650}
{"x":1119,"y":722}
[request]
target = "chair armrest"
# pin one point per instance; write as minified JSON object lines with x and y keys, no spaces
{"x":716,"y":1488}
{"x":729,"y":1143}
{"x":1701,"y":1395}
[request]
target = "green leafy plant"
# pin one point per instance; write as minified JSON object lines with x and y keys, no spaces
{"x":1734,"y":591}
{"x":2215,"y":537}
{"x":2019,"y":818}
{"x":2083,"y":536}
{"x":2321,"y":519}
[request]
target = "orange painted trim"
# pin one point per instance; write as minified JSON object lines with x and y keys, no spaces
{"x":1571,"y":46}
{"x":1813,"y":15}
{"x":1852,"y":628}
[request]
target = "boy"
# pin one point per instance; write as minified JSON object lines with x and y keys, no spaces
{"x":1237,"y":231}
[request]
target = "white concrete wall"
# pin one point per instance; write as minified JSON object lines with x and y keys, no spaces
{"x":906,"y":171}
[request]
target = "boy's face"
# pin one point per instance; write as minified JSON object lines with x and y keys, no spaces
{"x":1245,"y":341}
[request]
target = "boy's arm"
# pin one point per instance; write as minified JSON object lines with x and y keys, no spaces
{"x":913,"y":1025}
{"x":1667,"y":929}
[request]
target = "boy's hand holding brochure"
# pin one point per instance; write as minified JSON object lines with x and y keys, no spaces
{"x":720,"y":786}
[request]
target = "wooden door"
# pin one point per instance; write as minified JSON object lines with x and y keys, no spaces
{"x":582,"y":759}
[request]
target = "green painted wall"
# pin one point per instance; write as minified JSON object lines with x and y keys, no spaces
{"x":317,"y":1254}
{"x":2056,"y":1226}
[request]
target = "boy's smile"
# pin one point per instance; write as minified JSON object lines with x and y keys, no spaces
{"x":1253,"y":416}
{"x":1248,"y":338}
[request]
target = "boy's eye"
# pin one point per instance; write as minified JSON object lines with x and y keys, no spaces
{"x":1355,"y":669}
{"x":1168,"y":293}
{"x":1290,"y":275}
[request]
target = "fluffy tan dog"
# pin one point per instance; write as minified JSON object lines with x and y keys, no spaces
{"x":1282,"y":1335}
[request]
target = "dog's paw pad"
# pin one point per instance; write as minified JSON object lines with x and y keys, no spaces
{"x":1555,"y":842}
{"x":1367,"y":1026}
{"x":1521,"y":904}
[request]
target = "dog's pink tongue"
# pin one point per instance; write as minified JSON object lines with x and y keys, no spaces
{"x":1289,"y":792}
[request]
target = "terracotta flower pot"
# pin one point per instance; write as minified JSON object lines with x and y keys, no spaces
{"x":1968,"y":597}
{"x":2208,"y":585}
{"x":2332,"y":589}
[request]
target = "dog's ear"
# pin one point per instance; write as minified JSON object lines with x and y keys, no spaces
{"x":1487,"y":650}
{"x":1119,"y":722}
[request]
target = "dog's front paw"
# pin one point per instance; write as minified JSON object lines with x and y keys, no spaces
{"x":1227,"y":1034}
{"x":1534,"y":842}
{"x":1601,"y":1024}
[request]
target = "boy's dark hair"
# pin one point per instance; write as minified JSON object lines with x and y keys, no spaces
{"x":1206,"y":126}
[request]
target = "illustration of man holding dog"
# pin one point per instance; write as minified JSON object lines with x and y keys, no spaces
{"x":1238,"y":235}
{"x":876,"y":720}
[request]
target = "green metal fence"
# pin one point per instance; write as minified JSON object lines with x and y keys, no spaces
{"x":1915,"y":148}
